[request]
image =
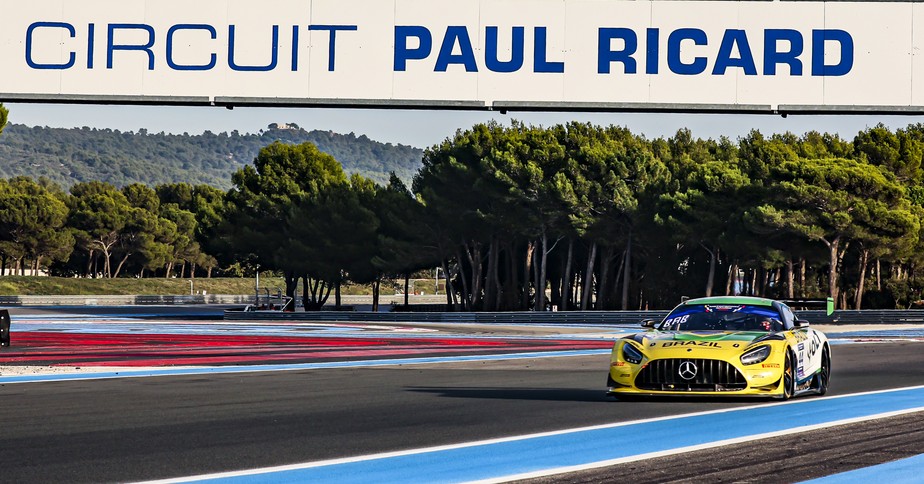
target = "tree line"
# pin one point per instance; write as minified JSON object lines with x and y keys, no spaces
{"x":69,"y":156}
{"x":579,"y":216}
{"x":518,"y":217}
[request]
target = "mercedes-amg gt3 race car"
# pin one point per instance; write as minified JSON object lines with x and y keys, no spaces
{"x":726,"y":346}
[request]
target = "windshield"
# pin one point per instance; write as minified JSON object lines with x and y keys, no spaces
{"x":716,"y":317}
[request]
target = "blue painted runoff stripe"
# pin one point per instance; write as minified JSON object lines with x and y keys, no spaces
{"x":576,"y":449}
{"x":290,"y":366}
{"x":903,"y":471}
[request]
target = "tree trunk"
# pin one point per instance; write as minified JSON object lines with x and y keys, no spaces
{"x":732,"y":279}
{"x":612,"y":297}
{"x":878,"y":275}
{"x":337,"y":299}
{"x":543,"y":272}
{"x":834,"y":255}
{"x":566,"y":290}
{"x":576,"y":289}
{"x":802,"y":275}
{"x":864,"y":260}
{"x":407,"y":285}
{"x":537,"y":275}
{"x":603,"y":286}
{"x":121,"y":263}
{"x":712,"y":259}
{"x":589,"y":277}
{"x":790,"y":280}
{"x":474,"y":258}
{"x":490,"y":286}
{"x":308,"y":293}
{"x":291,"y":281}
{"x":450,"y":291}
{"x":466,"y":293}
{"x":627,"y":275}
{"x":375,"y":295}
{"x":107,"y":269}
{"x":527,"y":264}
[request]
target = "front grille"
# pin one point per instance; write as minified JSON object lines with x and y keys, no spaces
{"x":710,"y":376}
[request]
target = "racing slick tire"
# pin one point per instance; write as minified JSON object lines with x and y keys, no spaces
{"x":824,"y":375}
{"x":789,"y":377}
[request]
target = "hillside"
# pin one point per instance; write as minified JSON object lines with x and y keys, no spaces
{"x":67,"y":156}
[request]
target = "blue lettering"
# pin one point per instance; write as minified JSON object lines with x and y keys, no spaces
{"x":491,"y":51}
{"x":540,"y":62}
{"x":652,"y":50}
{"x":268,"y":67}
{"x":146,"y":48}
{"x":91,"y":34}
{"x":844,"y":65}
{"x":332,"y":46}
{"x":466,"y":56}
{"x":605,"y":54}
{"x":403,"y":53}
{"x":674,"y":63}
{"x":772,"y":56}
{"x":295,"y":30}
{"x":29,"y":44}
{"x":724,"y":59}
{"x":213,"y":34}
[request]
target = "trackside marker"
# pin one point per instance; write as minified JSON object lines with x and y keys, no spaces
{"x":570,"y":450}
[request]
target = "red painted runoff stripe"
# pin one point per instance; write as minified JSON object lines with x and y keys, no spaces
{"x":136,"y":350}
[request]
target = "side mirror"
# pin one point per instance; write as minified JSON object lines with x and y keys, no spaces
{"x":648,"y":323}
{"x":801,"y":323}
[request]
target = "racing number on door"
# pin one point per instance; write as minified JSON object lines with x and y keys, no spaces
{"x":809,"y":343}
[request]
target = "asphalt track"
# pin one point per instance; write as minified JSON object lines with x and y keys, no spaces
{"x":131,"y":429}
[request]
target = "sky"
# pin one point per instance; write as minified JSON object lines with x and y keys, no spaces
{"x":422,"y":128}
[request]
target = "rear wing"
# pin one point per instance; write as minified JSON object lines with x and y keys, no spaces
{"x":826,"y":304}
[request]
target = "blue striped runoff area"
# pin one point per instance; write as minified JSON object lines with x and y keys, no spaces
{"x":585,"y":448}
{"x":903,"y":471}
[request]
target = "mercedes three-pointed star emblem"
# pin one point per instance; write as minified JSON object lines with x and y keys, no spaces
{"x":687,"y":370}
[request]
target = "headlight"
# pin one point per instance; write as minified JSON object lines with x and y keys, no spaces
{"x":756,"y":355}
{"x":631,"y":354}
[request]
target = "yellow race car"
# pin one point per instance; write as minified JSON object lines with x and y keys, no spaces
{"x":726,"y":346}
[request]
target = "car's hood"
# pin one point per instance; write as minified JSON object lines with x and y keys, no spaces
{"x":694,"y":339}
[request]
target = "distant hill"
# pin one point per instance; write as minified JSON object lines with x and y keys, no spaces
{"x":68,"y":156}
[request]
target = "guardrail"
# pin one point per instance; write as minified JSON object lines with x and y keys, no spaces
{"x":242,"y":299}
{"x":111,"y":300}
{"x":867,"y":316}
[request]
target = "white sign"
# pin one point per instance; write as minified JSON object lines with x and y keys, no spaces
{"x":500,"y":54}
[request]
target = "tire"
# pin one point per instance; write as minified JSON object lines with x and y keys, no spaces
{"x":823,"y":377}
{"x":789,"y":377}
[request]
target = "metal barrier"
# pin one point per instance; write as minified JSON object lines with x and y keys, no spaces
{"x":867,"y":316}
{"x":122,"y":300}
{"x":242,"y":299}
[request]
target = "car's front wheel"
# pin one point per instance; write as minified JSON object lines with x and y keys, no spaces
{"x":789,"y":377}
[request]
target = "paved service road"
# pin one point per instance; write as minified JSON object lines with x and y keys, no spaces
{"x":172,"y":426}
